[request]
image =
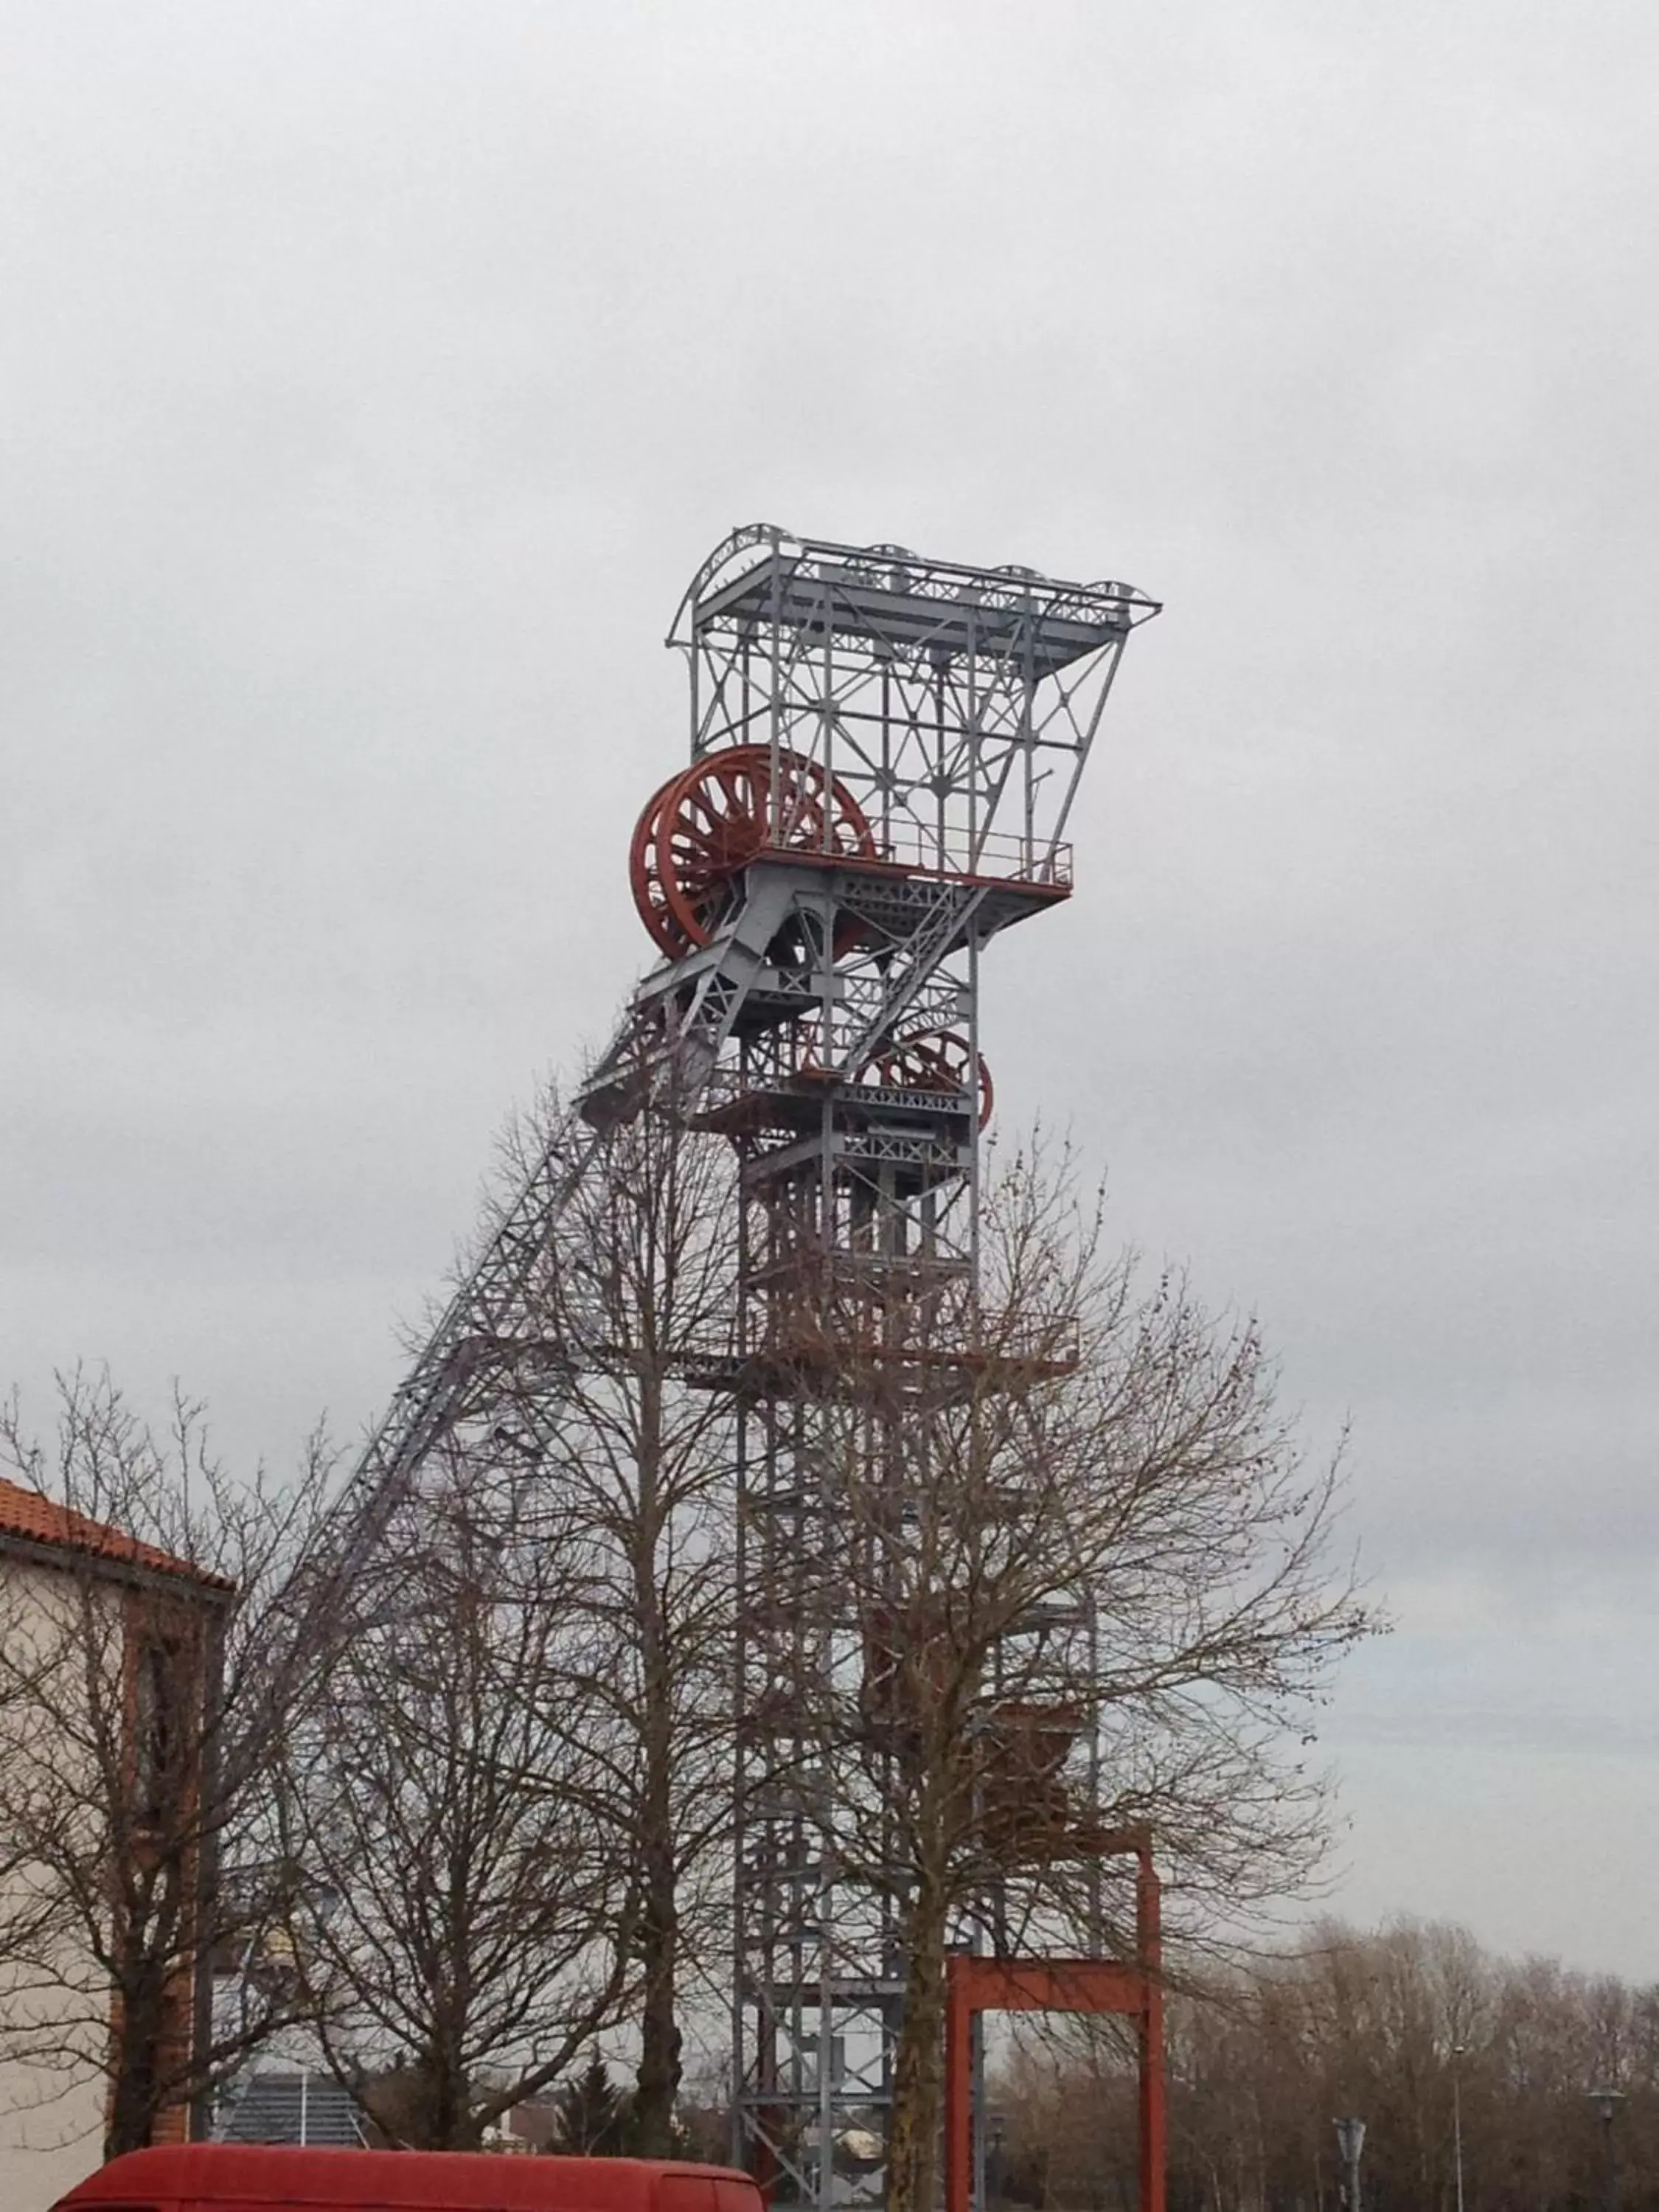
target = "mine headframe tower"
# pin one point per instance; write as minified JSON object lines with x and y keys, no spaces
{"x":884,"y":751}
{"x":884,"y":754}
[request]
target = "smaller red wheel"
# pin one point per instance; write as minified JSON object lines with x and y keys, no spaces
{"x":933,"y":1059}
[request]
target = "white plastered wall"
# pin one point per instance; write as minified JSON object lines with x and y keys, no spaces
{"x":51,"y":2116}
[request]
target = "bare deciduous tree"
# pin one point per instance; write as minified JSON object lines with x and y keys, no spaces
{"x":467,"y":1923}
{"x":637,"y":1286}
{"x":137,"y":1753}
{"x":1091,"y":1577}
{"x":1437,"y":2044}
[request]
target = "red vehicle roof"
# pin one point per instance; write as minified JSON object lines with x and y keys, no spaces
{"x":439,"y":2180}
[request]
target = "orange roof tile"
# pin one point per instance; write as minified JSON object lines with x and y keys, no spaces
{"x":40,"y":1520}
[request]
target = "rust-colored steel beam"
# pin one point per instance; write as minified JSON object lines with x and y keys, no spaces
{"x":975,"y":1986}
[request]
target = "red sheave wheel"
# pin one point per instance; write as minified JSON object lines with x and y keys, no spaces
{"x":933,"y":1059}
{"x":706,"y":824}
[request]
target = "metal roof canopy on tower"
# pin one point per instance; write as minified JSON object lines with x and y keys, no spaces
{"x":942,"y":610}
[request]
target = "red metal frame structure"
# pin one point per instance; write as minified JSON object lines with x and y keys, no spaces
{"x":975,"y":1986}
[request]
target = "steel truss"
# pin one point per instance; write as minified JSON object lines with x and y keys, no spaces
{"x":952,"y":711}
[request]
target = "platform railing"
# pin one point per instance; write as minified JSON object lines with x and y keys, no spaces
{"x":993,"y":856}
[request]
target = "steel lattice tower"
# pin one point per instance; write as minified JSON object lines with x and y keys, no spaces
{"x":884,"y":751}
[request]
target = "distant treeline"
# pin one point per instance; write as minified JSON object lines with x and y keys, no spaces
{"x":1402,"y":2028}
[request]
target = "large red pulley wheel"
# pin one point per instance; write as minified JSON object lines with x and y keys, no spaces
{"x":706,"y":824}
{"x":933,"y":1059}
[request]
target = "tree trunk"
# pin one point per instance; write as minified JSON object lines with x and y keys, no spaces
{"x":132,"y":2112}
{"x":453,"y":2125}
{"x":912,"y":2139}
{"x":657,"y":2083}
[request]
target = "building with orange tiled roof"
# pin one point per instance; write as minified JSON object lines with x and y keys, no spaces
{"x":30,"y":1517}
{"x":61,"y":1570}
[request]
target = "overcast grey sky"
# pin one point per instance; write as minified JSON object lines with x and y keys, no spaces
{"x":375,"y":376}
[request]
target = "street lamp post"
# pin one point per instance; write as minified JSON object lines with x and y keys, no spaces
{"x":1350,"y":2142}
{"x":1457,"y":2052}
{"x":1606,"y":2103}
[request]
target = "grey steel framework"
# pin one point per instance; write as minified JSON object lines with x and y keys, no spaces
{"x":916,"y":731}
{"x":884,"y":751}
